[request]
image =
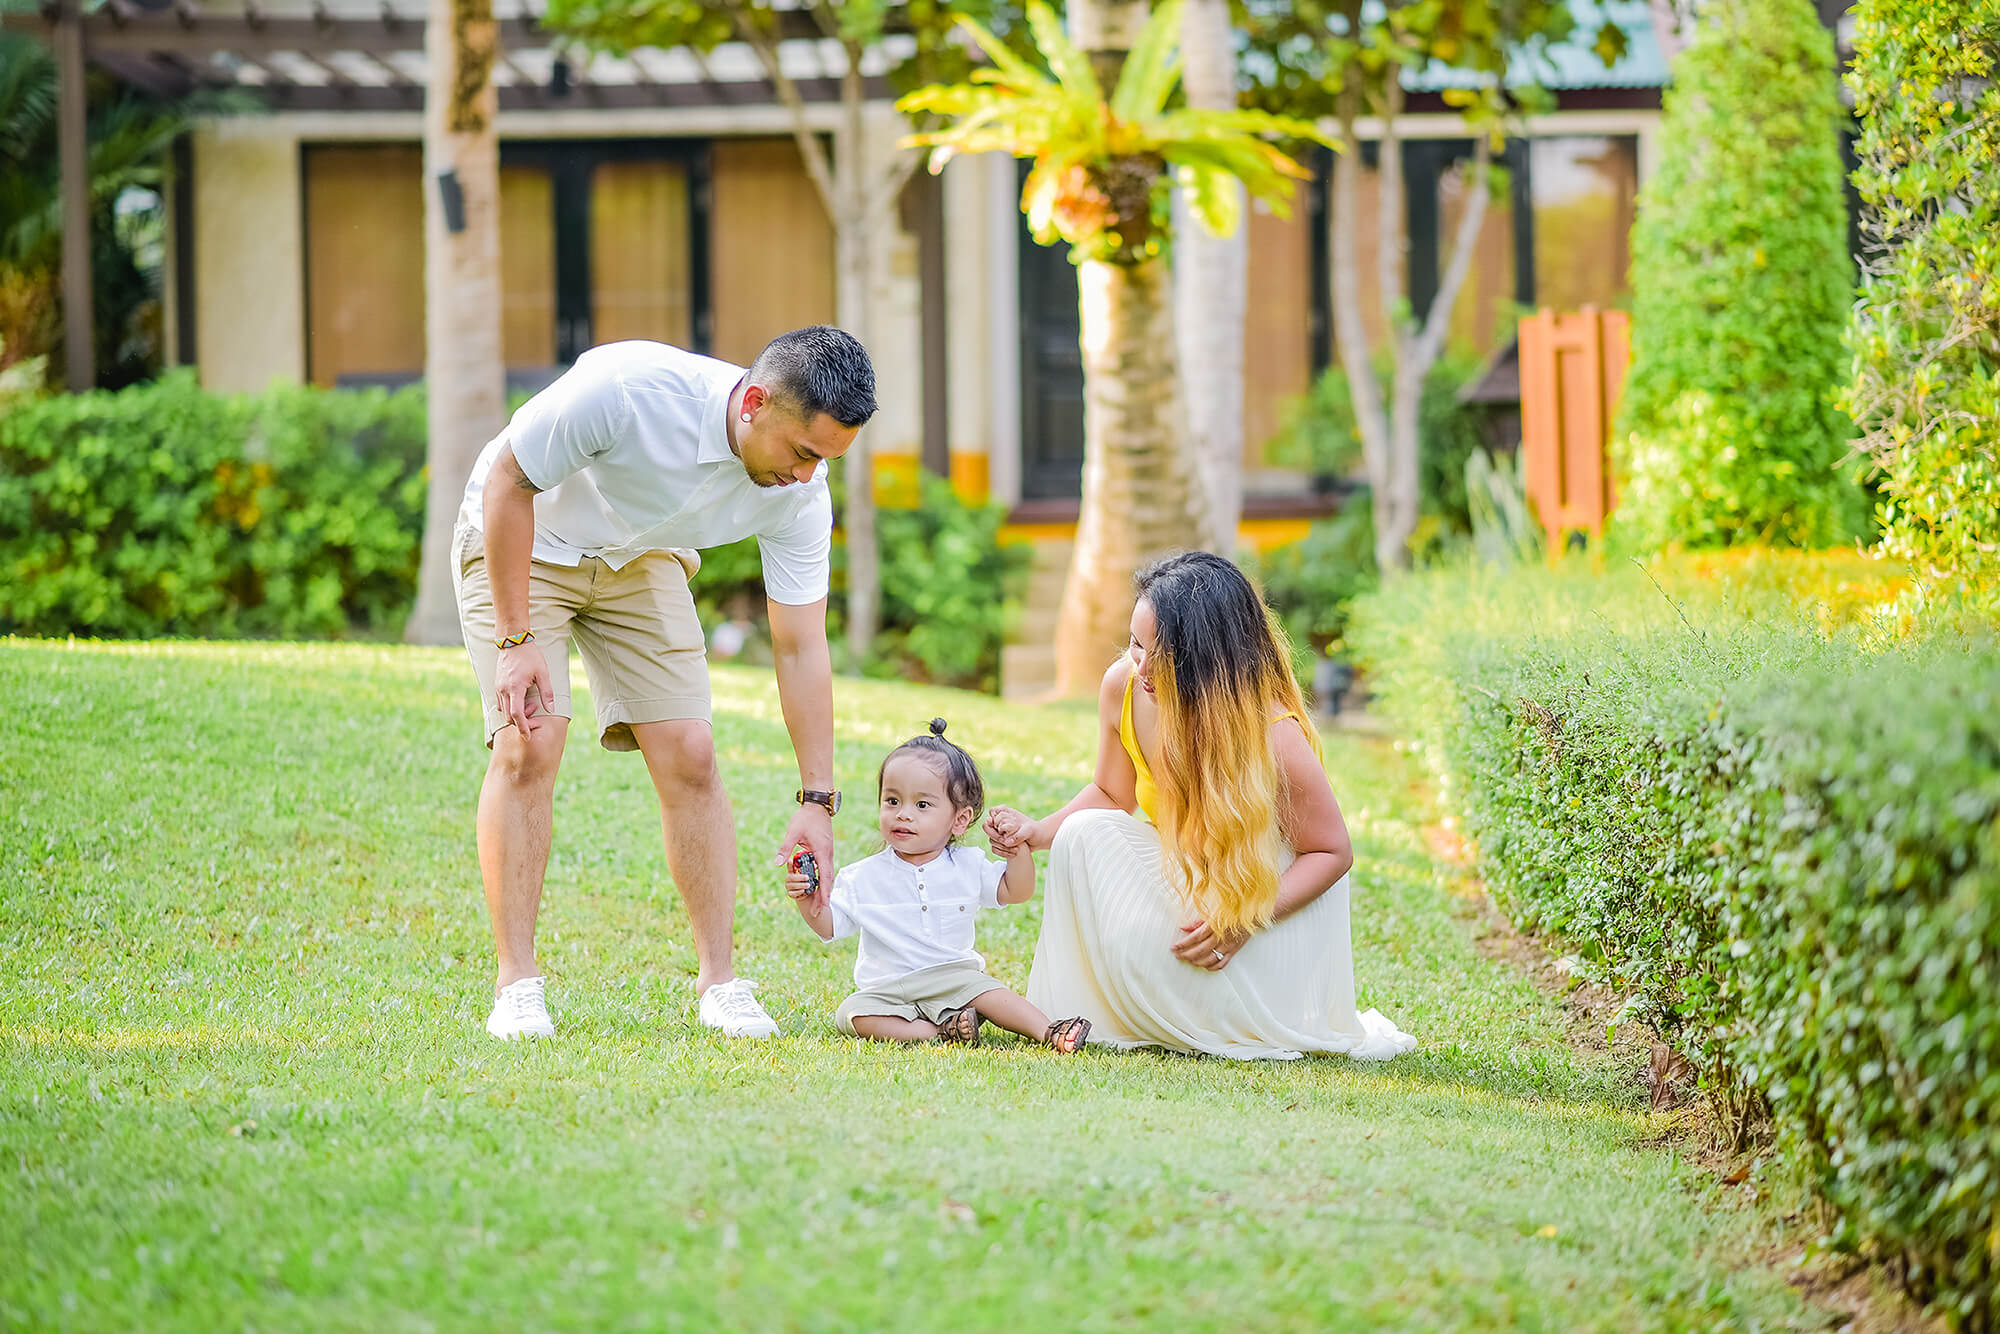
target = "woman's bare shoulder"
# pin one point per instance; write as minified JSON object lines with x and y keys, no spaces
{"x":1115,"y":676}
{"x":1289,"y":743}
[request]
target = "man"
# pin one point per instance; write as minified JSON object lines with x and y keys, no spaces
{"x":580,"y":522}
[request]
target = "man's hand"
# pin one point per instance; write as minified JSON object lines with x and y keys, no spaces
{"x":521,"y":686}
{"x":1203,"y":948}
{"x":811,"y":829}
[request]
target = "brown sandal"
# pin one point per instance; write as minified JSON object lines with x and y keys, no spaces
{"x":959,"y":1027}
{"x":1068,"y":1035}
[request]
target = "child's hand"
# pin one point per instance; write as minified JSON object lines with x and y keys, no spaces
{"x":1007,"y":830}
{"x":796,"y":883}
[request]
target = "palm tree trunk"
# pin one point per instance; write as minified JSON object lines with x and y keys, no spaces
{"x":1211,"y":272}
{"x":464,"y":377}
{"x":1139,"y":493}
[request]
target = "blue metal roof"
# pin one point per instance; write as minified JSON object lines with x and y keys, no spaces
{"x":1574,"y":63}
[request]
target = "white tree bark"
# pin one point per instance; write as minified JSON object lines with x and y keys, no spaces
{"x":1390,"y":437}
{"x":465,"y":379}
{"x":856,"y":204}
{"x":1210,"y":280}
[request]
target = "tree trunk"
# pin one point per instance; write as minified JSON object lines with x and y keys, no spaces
{"x":1139,"y":490}
{"x":864,"y":578}
{"x":1209,"y":282}
{"x":1350,"y":333}
{"x":465,"y":386}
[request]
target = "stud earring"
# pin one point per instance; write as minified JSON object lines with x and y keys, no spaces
{"x":746,"y":416}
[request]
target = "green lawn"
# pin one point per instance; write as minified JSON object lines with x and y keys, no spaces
{"x":244,"y":1082}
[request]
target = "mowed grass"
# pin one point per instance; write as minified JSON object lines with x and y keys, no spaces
{"x":244,"y":1082}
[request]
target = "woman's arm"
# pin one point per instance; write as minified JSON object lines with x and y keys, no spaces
{"x":1116,"y":784}
{"x":1310,"y":820}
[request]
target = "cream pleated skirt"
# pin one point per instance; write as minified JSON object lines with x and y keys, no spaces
{"x":1108,"y":927}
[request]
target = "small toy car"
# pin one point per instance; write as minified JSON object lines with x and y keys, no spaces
{"x":804,"y":864}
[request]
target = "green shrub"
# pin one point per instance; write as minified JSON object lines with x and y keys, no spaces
{"x":1319,"y":434}
{"x":1311,"y":583}
{"x":1728,"y":432}
{"x":1926,"y":332}
{"x":946,"y":590}
{"x":1784,"y":844}
{"x":164,"y":510}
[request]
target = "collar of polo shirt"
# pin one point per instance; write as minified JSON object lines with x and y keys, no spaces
{"x":713,"y":447}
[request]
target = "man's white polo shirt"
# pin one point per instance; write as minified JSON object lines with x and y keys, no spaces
{"x":631,"y":454}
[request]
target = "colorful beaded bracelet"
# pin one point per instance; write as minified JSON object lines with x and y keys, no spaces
{"x":515,"y":641}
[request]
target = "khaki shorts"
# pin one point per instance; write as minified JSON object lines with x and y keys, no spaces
{"x":924,"y":994}
{"x":635,"y":627}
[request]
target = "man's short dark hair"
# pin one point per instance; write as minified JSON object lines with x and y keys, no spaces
{"x":818,"y":369}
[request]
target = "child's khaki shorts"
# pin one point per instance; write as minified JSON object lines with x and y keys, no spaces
{"x":635,"y":627}
{"x":924,"y":994}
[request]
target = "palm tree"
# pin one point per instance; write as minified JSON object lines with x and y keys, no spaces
{"x":465,"y":383}
{"x":1100,"y":182}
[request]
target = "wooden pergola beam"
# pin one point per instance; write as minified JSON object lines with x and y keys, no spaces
{"x":73,"y":161}
{"x":198,"y":36}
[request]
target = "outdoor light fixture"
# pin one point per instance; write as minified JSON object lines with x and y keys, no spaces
{"x":559,"y":78}
{"x":453,"y":199}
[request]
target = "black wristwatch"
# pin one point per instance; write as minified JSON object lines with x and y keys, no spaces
{"x":830,"y":800}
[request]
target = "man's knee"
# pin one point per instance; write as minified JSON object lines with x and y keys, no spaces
{"x":680,"y":753}
{"x":528,"y":760}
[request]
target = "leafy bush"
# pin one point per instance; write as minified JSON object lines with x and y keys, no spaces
{"x":945,"y":588}
{"x":1783,"y":842}
{"x":1319,"y":434}
{"x":1312,"y":583}
{"x":165,"y":510}
{"x":1926,"y":333}
{"x":1728,"y":432}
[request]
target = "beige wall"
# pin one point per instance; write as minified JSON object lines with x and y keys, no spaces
{"x":249,"y":271}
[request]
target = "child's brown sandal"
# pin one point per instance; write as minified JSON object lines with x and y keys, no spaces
{"x":1068,"y":1035}
{"x":959,"y":1027}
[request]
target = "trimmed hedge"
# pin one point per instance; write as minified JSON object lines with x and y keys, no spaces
{"x":166,"y":510}
{"x":1783,"y":843}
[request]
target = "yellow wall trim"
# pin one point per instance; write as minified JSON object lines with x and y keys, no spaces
{"x":1261,"y":535}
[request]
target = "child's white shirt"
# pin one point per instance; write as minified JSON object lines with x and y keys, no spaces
{"x":912,"y":917}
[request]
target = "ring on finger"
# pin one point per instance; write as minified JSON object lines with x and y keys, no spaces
{"x":1220,"y":957}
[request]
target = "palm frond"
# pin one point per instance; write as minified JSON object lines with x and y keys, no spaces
{"x":1070,"y":66}
{"x":1151,"y":68}
{"x":1201,"y":123}
{"x":27,"y":96}
{"x":1215,"y":198}
{"x":1016,"y":70}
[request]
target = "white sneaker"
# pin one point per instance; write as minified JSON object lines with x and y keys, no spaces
{"x":730,"y":1007}
{"x":519,"y":1011}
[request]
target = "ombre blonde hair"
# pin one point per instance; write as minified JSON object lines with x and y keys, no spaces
{"x":1221,"y":669}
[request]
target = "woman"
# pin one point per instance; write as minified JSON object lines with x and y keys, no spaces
{"x":1198,"y":891}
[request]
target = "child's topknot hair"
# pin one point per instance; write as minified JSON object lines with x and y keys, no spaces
{"x":961,"y":776}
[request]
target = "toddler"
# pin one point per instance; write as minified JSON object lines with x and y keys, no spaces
{"x":913,"y":903}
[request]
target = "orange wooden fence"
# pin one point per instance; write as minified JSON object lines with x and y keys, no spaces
{"x":1572,"y":371}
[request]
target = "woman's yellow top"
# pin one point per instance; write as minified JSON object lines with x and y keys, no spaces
{"x":1145,"y":789}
